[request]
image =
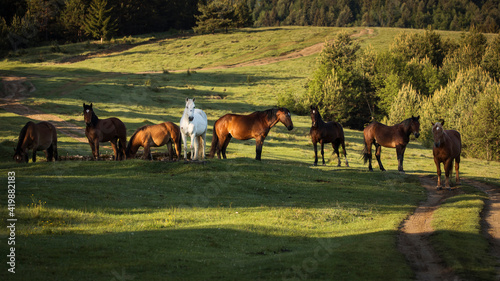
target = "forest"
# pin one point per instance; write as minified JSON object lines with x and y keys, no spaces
{"x":30,"y":22}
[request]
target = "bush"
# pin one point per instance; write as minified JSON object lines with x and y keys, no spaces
{"x":470,"y":105}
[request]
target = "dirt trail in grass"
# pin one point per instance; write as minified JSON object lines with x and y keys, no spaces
{"x":491,"y":217}
{"x":311,"y":50}
{"x":413,"y":240}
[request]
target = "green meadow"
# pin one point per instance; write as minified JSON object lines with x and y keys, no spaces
{"x":234,"y":219}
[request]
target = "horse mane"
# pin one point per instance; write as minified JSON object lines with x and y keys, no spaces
{"x":132,"y":138}
{"x":270,"y":113}
{"x":22,"y":135}
{"x":94,"y":119}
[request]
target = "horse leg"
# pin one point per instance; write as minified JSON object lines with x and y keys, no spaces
{"x":438,"y":168}
{"x":54,"y":151}
{"x":227,"y":139}
{"x":185,"y":146}
{"x":322,"y":151}
{"x":378,"y":150}
{"x":34,"y":155}
{"x":122,"y":145}
{"x":259,"y":142}
{"x":335,"y":147}
{"x":49,"y":154}
{"x":203,"y":139}
{"x":95,"y":151}
{"x":170,"y":150}
{"x":400,"y":151}
{"x":315,"y":144}
{"x":457,"y":166}
{"x":448,"y":164}
{"x":194,"y":147}
{"x":345,"y":154}
{"x":368,"y":154}
{"x":147,"y":152}
{"x":115,"y":150}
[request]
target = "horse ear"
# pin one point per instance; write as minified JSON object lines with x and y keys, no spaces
{"x":441,"y":121}
{"x":90,"y":105}
{"x":187,"y":99}
{"x":194,"y":99}
{"x":83,"y":104}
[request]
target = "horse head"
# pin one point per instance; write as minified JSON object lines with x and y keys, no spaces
{"x":437,"y":133}
{"x":88,"y":112}
{"x":415,"y":126}
{"x":315,"y":115}
{"x":190,"y":106}
{"x":20,"y":156}
{"x":285,"y":117}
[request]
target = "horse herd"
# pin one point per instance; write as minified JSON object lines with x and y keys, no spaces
{"x":193,"y":123}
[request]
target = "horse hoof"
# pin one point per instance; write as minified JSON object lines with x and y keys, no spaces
{"x":439,"y":187}
{"x":315,"y":164}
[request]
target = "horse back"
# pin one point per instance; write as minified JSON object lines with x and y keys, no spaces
{"x":328,"y":133}
{"x":242,"y":127}
{"x":388,"y":136}
{"x":111,"y":128}
{"x":44,"y":134}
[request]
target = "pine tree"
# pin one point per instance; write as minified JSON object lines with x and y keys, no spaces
{"x":216,"y":14}
{"x":98,"y":22}
{"x":73,"y":18}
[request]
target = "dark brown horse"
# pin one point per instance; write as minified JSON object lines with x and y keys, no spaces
{"x":111,"y":129}
{"x":40,"y":136}
{"x":243,"y":127}
{"x":155,"y":136}
{"x":331,"y":132}
{"x":447,"y":147}
{"x":396,"y":136}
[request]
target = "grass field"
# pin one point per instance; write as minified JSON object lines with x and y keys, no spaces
{"x":280,"y":218}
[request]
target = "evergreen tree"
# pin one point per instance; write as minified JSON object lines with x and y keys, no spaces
{"x":98,"y":22}
{"x":73,"y":18}
{"x":243,"y":15}
{"x":216,"y":14}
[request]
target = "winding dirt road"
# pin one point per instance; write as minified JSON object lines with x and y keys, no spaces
{"x":413,"y":240}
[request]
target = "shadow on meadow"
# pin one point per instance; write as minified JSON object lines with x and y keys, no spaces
{"x":211,"y":253}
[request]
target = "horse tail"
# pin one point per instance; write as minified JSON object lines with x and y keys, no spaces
{"x":215,"y":142}
{"x":22,"y":135}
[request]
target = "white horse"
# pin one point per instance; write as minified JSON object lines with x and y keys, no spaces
{"x":194,"y":124}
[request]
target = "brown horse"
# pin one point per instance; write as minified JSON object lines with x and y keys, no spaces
{"x":40,"y":136}
{"x":111,"y":129}
{"x":243,"y":127}
{"x":447,"y":147}
{"x":396,"y":136}
{"x":155,"y":136}
{"x":331,"y":132}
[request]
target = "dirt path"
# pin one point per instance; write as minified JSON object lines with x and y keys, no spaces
{"x":413,"y":240}
{"x":311,"y":50}
{"x":491,"y":217}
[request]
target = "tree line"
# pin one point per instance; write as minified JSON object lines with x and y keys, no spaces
{"x":28,"y":22}
{"x":421,"y":74}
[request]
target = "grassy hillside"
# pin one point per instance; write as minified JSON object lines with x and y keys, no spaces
{"x":236,"y":219}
